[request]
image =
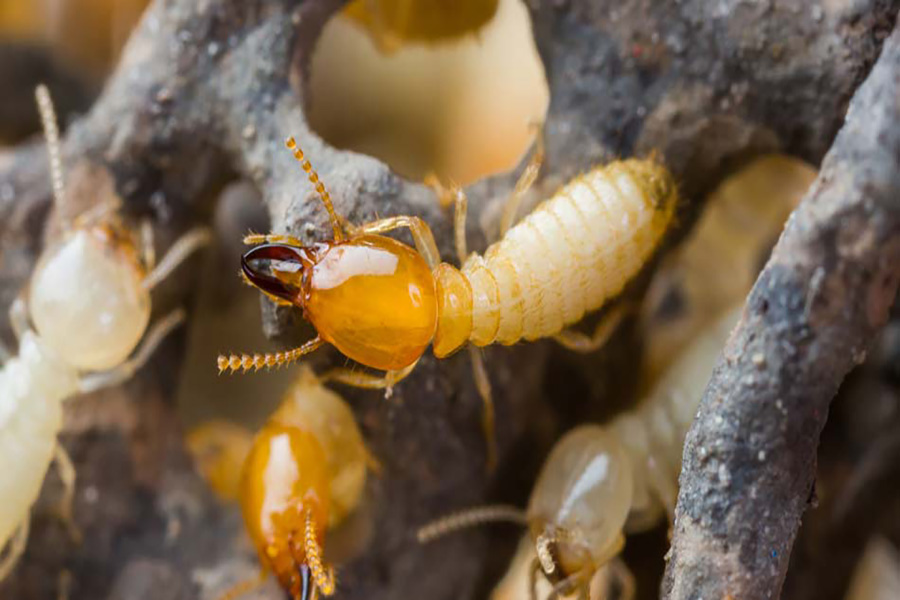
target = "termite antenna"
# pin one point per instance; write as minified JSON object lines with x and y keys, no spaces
{"x":471,"y":517}
{"x":245,"y":362}
{"x":324,"y":577}
{"x":291,"y":144}
{"x":51,"y":134}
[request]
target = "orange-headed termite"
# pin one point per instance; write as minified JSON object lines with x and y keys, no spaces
{"x":381,"y":303}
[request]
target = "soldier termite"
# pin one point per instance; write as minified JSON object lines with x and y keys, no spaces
{"x":602,"y":481}
{"x":89,"y":302}
{"x":381,"y":303}
{"x":304,"y":471}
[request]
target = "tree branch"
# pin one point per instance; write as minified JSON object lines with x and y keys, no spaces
{"x":750,"y":456}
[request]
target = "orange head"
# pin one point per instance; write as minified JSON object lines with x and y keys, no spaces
{"x":371,"y":296}
{"x":284,"y":499}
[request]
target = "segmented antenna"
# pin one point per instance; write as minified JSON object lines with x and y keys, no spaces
{"x":471,"y":517}
{"x":324,"y":577}
{"x":320,"y":188}
{"x":246,"y":362}
{"x":51,"y":134}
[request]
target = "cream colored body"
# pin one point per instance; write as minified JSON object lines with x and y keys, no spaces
{"x":601,"y":481}
{"x":571,"y":254}
{"x":32,"y":388}
{"x":89,"y":302}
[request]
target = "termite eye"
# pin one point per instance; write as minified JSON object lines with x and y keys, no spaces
{"x":285,"y":261}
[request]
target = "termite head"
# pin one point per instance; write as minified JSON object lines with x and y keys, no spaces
{"x":285,"y":501}
{"x":580,"y":503}
{"x":87,"y":298}
{"x":370,"y":296}
{"x":288,"y":273}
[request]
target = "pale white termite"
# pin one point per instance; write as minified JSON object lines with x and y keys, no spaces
{"x":89,"y":303}
{"x":381,"y":303}
{"x":601,"y":481}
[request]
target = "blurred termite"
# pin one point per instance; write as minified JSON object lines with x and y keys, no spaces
{"x":719,"y":261}
{"x":601,"y":481}
{"x":303,"y":472}
{"x":381,"y":303}
{"x":393,"y":23}
{"x":89,"y":303}
{"x":877,"y":574}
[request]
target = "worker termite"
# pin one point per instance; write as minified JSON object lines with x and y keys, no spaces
{"x":602,"y":481}
{"x":89,"y":302}
{"x":381,"y":303}
{"x":305,"y":470}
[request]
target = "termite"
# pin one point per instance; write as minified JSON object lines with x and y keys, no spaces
{"x":395,"y":23}
{"x":877,"y":573}
{"x":601,"y":481}
{"x":381,"y":303}
{"x":89,"y":303}
{"x":304,"y":473}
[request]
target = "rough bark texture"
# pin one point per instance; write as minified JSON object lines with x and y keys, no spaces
{"x":750,"y":455}
{"x":206,"y":91}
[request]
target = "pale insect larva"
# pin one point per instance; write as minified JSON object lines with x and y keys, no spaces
{"x":303,"y":473}
{"x":877,"y":574}
{"x":602,"y":481}
{"x":381,"y":303}
{"x":89,"y":302}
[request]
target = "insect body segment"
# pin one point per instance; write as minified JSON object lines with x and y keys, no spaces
{"x":568,"y":257}
{"x":382,"y":303}
{"x":89,"y":303}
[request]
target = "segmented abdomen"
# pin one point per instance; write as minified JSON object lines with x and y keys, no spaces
{"x":32,"y":387}
{"x":569,"y":256}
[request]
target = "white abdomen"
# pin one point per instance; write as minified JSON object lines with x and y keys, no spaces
{"x":569,"y":256}
{"x":32,"y":388}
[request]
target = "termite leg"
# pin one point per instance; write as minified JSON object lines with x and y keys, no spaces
{"x":419,"y":229}
{"x":244,"y":587}
{"x":367,"y":380}
{"x":624,"y":578}
{"x":183,"y":247}
{"x":148,"y":249}
{"x":254,"y":239}
{"x":533,"y":573}
{"x":526,"y":180}
{"x":664,"y":487}
{"x":453,"y":194}
{"x":483,"y":385}
{"x":563,"y":588}
{"x":18,"y":316}
{"x":67,"y":475}
{"x":16,"y":547}
{"x":445,"y":196}
{"x":461,"y":204}
{"x":117,"y":375}
{"x":64,"y":585}
{"x":580,"y":342}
